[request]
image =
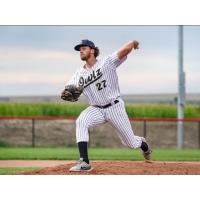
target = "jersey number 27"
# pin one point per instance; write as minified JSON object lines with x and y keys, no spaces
{"x":101,"y":85}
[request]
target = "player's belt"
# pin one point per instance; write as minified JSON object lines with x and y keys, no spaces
{"x":107,"y":105}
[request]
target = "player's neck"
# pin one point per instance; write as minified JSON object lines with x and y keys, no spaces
{"x":90,"y":62}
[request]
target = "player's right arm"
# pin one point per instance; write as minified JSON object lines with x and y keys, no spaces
{"x":119,"y":56}
{"x":127,"y":48}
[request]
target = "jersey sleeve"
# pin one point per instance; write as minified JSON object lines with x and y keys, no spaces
{"x":113,"y":61}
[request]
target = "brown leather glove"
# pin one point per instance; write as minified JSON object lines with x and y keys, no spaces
{"x":71,"y":93}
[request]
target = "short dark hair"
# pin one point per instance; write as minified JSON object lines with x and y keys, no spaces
{"x":96,"y":52}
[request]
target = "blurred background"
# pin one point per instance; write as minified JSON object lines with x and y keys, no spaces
{"x":37,"y":61}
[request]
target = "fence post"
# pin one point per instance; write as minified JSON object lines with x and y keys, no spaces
{"x":33,"y":132}
{"x":199,"y":133}
{"x":145,"y":129}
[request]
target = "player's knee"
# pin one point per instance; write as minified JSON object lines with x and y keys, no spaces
{"x":80,"y":122}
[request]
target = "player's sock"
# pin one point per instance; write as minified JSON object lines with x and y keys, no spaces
{"x":83,"y":150}
{"x":144,"y":146}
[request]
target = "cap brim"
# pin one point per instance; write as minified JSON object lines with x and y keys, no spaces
{"x":77,"y":47}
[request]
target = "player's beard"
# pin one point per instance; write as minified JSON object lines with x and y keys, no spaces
{"x":85,"y":57}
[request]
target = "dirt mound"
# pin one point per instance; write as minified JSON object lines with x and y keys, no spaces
{"x":125,"y":168}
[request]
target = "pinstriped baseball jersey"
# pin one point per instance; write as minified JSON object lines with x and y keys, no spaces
{"x":101,"y":81}
{"x":101,"y":88}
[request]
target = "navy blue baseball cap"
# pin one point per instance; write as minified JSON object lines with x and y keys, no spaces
{"x":84,"y":43}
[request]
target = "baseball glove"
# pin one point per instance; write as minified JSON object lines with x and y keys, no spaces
{"x":71,"y":93}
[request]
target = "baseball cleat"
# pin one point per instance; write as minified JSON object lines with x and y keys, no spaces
{"x":81,"y":166}
{"x":147,"y":154}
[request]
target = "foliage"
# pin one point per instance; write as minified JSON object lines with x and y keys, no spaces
{"x":74,"y":109}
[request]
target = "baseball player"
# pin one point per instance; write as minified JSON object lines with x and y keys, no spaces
{"x":99,"y":81}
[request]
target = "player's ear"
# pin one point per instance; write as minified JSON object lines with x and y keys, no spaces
{"x":92,"y":51}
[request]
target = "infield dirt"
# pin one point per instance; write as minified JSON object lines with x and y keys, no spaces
{"x":125,"y":168}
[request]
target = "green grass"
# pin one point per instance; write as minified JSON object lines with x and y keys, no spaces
{"x":160,"y":111}
{"x":13,"y":170}
{"x":41,"y":109}
{"x":74,"y":109}
{"x":27,"y":153}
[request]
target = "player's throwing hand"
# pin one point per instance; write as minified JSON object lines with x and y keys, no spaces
{"x":136,"y":44}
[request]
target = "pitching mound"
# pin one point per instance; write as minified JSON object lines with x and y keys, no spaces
{"x":125,"y":168}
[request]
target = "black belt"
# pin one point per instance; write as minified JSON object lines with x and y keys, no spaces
{"x":107,"y":105}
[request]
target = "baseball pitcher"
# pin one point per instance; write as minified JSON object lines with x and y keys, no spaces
{"x":98,"y":81}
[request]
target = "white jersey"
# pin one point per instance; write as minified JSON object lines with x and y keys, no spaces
{"x":101,"y":87}
{"x":100,"y":82}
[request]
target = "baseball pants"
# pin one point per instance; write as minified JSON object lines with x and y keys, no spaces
{"x":116,"y":115}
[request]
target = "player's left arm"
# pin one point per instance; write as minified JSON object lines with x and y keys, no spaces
{"x":127,"y":48}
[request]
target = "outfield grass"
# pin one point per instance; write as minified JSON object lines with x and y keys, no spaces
{"x":96,"y":154}
{"x":74,"y":109}
{"x":14,"y":170}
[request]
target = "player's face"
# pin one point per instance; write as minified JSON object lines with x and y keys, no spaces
{"x":85,"y":53}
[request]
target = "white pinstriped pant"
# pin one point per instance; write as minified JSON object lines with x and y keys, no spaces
{"x":116,"y":115}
